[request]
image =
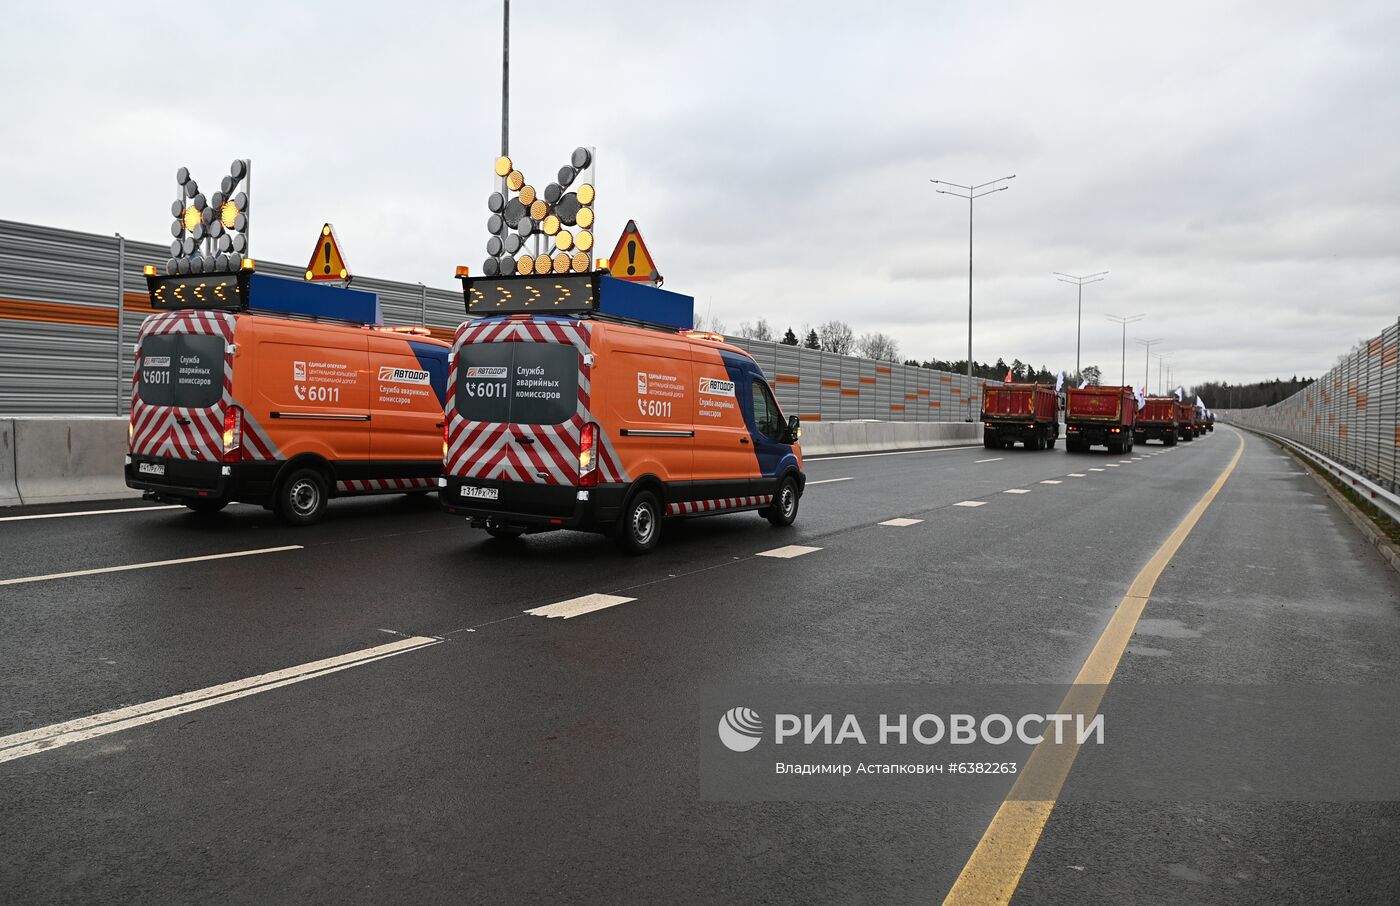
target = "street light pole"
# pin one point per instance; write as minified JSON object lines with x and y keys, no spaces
{"x":1161,"y":357}
{"x":1119,"y":319}
{"x":505,"y":80}
{"x":971,"y":193}
{"x":1079,"y":318}
{"x":1147,"y":359}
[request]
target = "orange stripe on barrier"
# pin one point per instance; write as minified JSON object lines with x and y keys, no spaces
{"x":789,"y":379}
{"x":70,"y":312}
{"x":834,"y":385}
{"x":816,"y":417}
{"x":896,"y":407}
{"x":850,"y":392}
{"x":934,"y":404}
{"x":867,"y":380}
{"x":882,"y":369}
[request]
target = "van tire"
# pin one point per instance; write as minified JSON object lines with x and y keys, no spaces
{"x":639,"y":526}
{"x":301,"y":498}
{"x":783,"y":512}
{"x":205,"y":506}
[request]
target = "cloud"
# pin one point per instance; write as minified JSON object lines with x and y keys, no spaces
{"x":1234,"y":166}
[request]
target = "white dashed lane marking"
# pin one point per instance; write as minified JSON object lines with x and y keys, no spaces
{"x":55,"y":736}
{"x":1017,"y":491}
{"x":1051,"y":481}
{"x":577,"y":607}
{"x":126,"y":509}
{"x":1094,"y":469}
{"x":1076,"y":475}
{"x":993,"y":459}
{"x":901,"y":522}
{"x":789,"y":551}
{"x":971,"y":503}
{"x":830,"y":480}
{"x":151,"y":565}
{"x":1111,"y":465}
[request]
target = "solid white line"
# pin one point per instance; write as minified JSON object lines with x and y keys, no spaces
{"x":56,"y":736}
{"x":901,"y":522}
{"x":1050,"y":481}
{"x":993,"y":459}
{"x":577,"y":607}
{"x":830,"y":480}
{"x":1017,"y":491}
{"x":154,"y":563}
{"x":971,"y":503}
{"x":891,"y":453}
{"x":128,"y":509}
{"x":789,"y":551}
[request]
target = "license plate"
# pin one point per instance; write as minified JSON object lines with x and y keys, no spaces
{"x":480,"y":493}
{"x":150,"y":468}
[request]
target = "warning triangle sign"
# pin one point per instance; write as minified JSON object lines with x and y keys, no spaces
{"x":631,"y":260}
{"x":327,"y":263}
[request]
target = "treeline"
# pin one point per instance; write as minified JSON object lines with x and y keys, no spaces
{"x":838,"y":337}
{"x":1224,"y":395}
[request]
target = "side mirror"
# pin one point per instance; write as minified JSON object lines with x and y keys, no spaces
{"x":794,"y":430}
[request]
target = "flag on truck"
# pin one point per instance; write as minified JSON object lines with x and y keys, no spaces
{"x":1060,"y":382}
{"x":1140,"y":394}
{"x":1200,"y":404}
{"x":1084,"y":383}
{"x":1178,"y":394}
{"x":1007,"y":379}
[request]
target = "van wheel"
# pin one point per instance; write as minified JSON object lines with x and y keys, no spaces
{"x":301,"y":499}
{"x":783,"y":512}
{"x":205,"y":506}
{"x":639,"y":527}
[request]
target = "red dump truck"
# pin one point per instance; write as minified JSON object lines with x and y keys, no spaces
{"x":1186,"y":421}
{"x":1029,"y":413}
{"x":1100,"y":415}
{"x":1158,"y":420}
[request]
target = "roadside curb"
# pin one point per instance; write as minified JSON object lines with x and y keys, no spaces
{"x":1388,"y":551}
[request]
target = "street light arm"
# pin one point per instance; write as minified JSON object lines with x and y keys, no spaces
{"x":946,"y":192}
{"x":989,"y":182}
{"x":990,"y":191}
{"x":943,"y":182}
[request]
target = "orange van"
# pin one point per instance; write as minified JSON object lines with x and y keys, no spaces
{"x":285,"y":410}
{"x":565,"y":412}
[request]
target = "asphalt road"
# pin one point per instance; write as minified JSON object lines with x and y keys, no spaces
{"x":507,"y":757}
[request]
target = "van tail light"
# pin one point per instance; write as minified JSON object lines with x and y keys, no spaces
{"x":446,"y":433}
{"x":233,"y":433}
{"x":587,"y":456}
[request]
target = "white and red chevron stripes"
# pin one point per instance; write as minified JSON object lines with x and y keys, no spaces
{"x":713,"y":506}
{"x":371,"y":485}
{"x":549,"y":453}
{"x":184,"y":433}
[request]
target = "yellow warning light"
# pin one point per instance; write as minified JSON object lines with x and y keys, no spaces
{"x":190,"y":217}
{"x":585,"y":193}
{"x":526,"y":265}
{"x":308,"y":275}
{"x":584,"y":240}
{"x":228,"y":214}
{"x":326,"y":230}
{"x":247,"y":264}
{"x":527,"y":195}
{"x":538,"y":210}
{"x":149,"y":270}
{"x":463,"y":271}
{"x":565,"y":240}
{"x":585,"y":217}
{"x":514,"y":180}
{"x":579,"y":262}
{"x":503,"y":166}
{"x":344,"y":273}
{"x":542,"y":264}
{"x":601,"y":264}
{"x":550,"y":225}
{"x":561,"y":263}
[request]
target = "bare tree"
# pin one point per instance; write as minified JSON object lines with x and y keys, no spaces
{"x":878,"y":346}
{"x":756,"y":331}
{"x":837,"y":336}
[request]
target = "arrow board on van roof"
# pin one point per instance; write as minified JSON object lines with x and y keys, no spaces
{"x":631,"y":260}
{"x":327,"y":262}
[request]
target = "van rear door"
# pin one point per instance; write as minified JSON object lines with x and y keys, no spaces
{"x":518,"y":414}
{"x":181,"y":391}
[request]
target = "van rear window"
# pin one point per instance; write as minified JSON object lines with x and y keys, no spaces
{"x":180,"y":369}
{"x":520,"y":383}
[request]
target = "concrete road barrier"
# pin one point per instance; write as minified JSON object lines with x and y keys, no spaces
{"x":9,"y":493}
{"x":827,"y":438}
{"x":63,"y":458}
{"x":69,"y":458}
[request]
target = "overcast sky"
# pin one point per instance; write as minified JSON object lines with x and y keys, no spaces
{"x":1236,"y":167}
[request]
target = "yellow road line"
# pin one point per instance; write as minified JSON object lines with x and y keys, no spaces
{"x":994,"y":869}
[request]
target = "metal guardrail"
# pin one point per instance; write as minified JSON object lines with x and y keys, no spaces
{"x":1384,"y":500}
{"x":1350,"y":415}
{"x":69,"y":300}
